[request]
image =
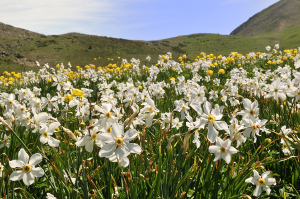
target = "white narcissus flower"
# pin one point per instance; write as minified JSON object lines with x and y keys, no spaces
{"x":251,"y":109}
{"x":182,"y":108}
{"x":46,"y":133}
{"x":254,"y":127}
{"x":211,"y":117}
{"x":5,"y":141}
{"x":107,"y":118}
{"x":223,"y":150}
{"x":88,"y":140}
{"x":277,"y":90}
{"x":29,"y":171}
{"x":261,"y":182}
{"x":117,"y":142}
{"x":149,"y":111}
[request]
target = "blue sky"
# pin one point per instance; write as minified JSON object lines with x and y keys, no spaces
{"x":130,"y":19}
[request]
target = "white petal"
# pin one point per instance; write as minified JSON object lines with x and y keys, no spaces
{"x":16,"y":163}
{"x":28,"y":179}
{"x":37,"y":172}
{"x":83,"y":141}
{"x":212,"y":133}
{"x":251,"y":180}
{"x":232,"y":150}
{"x":130,"y":135}
{"x":43,"y":139}
{"x":217,"y":157}
{"x":227,"y":143}
{"x":53,"y":126}
{"x":133,"y":148}
{"x":106,"y":107}
{"x":53,"y":142}
{"x":106,"y":137}
{"x":265,"y":175}
{"x":256,"y":175}
{"x":267,"y":189}
{"x":124,"y":162}
{"x":23,"y":156}
{"x":107,"y":150}
{"x":149,"y":120}
{"x":89,"y":146}
{"x":150,"y":102}
{"x":221,"y":125}
{"x":197,"y":108}
{"x":117,"y":129}
{"x":247,"y":104}
{"x":216,"y":113}
{"x":270,"y":181}
{"x":226,"y":157}
{"x":35,"y":159}
{"x":257,"y":190}
{"x":219,"y":142}
{"x":247,"y":132}
{"x":16,"y":175}
{"x":214,"y":149}
{"x":120,"y":152}
{"x":207,"y":107}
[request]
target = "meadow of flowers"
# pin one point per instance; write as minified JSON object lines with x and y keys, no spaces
{"x":217,"y":127}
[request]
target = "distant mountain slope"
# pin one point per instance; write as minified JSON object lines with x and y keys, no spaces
{"x":8,"y":31}
{"x":273,"y":21}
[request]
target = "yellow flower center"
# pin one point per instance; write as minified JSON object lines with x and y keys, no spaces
{"x":211,"y":118}
{"x":94,"y":136}
{"x":22,"y":109}
{"x":234,"y":126}
{"x":39,"y":103}
{"x":134,"y":95}
{"x":10,"y":102}
{"x":27,"y":168}
{"x":77,"y":133}
{"x":261,"y":181}
{"x":108,"y":114}
{"x":254,"y":127}
{"x":199,"y":95}
{"x":45,"y":134}
{"x":252,"y":112}
{"x":298,"y":93}
{"x":284,"y":146}
{"x":5,"y":141}
{"x":119,"y":141}
{"x":183,"y":108}
{"x":109,"y":130}
{"x":223,"y":149}
{"x":275,"y":90}
{"x":151,"y":109}
{"x":24,"y":93}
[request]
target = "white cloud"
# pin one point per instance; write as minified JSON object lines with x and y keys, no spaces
{"x":59,"y":16}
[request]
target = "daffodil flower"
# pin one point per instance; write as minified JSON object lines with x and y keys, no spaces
{"x":117,"y":142}
{"x":29,"y":171}
{"x":211,"y":117}
{"x":47,"y":132}
{"x":261,"y":182}
{"x":223,"y":150}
